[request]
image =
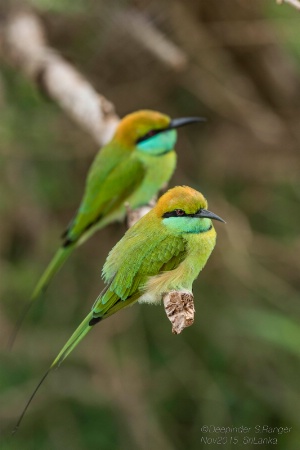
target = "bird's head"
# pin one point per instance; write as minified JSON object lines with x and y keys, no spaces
{"x":184,"y":210}
{"x":150,"y":132}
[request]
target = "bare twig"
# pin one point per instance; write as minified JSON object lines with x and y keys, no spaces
{"x":179,"y":307}
{"x":294,"y":3}
{"x":133,"y":215}
{"x":24,"y":46}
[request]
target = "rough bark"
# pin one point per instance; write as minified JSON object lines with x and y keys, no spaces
{"x":179,"y":307}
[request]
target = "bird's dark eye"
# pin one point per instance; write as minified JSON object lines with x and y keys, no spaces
{"x":149,"y":135}
{"x":175,"y":213}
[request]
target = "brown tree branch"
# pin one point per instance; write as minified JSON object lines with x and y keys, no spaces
{"x":24,"y":46}
{"x":294,"y":3}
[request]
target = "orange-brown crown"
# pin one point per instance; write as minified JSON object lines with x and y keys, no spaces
{"x":180,"y":197}
{"x":137,"y":124}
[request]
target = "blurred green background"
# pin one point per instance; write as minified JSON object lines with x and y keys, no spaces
{"x":132,"y":384}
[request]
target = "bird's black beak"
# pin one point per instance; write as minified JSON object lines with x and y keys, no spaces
{"x":182,"y":121}
{"x":175,"y":123}
{"x":209,"y":215}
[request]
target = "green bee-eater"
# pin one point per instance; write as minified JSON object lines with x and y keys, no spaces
{"x":164,"y":251}
{"x":132,"y":168}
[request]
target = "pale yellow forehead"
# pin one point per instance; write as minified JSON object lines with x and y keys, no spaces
{"x":181,"y":197}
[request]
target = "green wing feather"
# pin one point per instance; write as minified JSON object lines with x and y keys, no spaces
{"x":144,"y":251}
{"x":104,"y":195}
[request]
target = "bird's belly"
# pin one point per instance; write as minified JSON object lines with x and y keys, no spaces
{"x":151,"y":298}
{"x":156,"y":286}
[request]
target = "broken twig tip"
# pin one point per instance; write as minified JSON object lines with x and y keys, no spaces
{"x":133,"y":215}
{"x":179,"y":307}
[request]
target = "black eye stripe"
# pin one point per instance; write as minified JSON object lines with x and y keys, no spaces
{"x":172,"y":214}
{"x":150,"y":134}
{"x":176,"y":213}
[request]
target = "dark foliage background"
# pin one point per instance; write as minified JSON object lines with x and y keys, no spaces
{"x":132,"y":384}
